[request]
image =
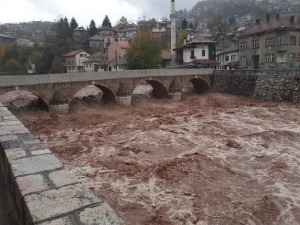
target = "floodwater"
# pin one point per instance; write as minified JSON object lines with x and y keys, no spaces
{"x":212,"y":159}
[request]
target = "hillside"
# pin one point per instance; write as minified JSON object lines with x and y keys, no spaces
{"x":238,"y":8}
{"x":34,"y":30}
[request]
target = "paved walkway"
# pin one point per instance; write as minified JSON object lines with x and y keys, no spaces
{"x":4,"y":215}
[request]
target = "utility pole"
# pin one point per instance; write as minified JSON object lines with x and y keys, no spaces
{"x":116,"y":53}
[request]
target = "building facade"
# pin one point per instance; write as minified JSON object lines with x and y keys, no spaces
{"x":273,"y":43}
{"x":74,"y":61}
{"x":228,"y":57}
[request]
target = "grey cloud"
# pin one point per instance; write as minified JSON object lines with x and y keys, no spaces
{"x":161,"y":8}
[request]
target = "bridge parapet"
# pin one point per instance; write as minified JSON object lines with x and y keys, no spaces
{"x":12,"y":81}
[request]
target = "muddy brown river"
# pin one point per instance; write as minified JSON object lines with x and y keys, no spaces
{"x":211,"y":159}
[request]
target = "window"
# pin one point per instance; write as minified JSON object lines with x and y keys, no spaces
{"x":255,"y":44}
{"x":283,"y":40}
{"x":192,"y":54}
{"x":233,"y":57}
{"x":227,"y":58}
{"x":243,"y":45}
{"x":293,"y":40}
{"x":243,"y":61}
{"x":203,"y":52}
{"x":269,"y":42}
{"x":81,"y":55}
{"x":281,"y":57}
{"x":269,"y":58}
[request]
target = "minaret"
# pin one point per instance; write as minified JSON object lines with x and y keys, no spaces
{"x":173,"y":30}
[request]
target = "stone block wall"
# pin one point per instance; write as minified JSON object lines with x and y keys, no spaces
{"x":278,"y":86}
{"x":39,"y":189}
{"x":266,"y":85}
{"x":234,"y":82}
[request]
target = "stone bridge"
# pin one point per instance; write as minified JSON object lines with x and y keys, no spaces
{"x":58,"y":90}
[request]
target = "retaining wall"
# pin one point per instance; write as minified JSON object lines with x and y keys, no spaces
{"x":39,"y":189}
{"x":266,"y":85}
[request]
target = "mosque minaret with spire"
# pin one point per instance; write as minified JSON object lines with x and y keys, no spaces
{"x":173,"y":30}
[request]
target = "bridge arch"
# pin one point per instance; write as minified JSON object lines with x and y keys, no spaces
{"x":108,"y":92}
{"x":200,"y":85}
{"x":160,"y":90}
{"x":43,"y":102}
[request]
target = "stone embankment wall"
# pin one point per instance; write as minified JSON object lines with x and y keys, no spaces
{"x":266,"y":85}
{"x":39,"y":189}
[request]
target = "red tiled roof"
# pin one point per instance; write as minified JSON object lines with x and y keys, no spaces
{"x":206,"y":62}
{"x":278,"y":23}
{"x":73,"y":53}
{"x":123,"y":44}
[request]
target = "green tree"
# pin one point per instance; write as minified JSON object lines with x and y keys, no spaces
{"x":183,"y":35}
{"x":62,"y":28}
{"x":152,"y":22}
{"x":12,"y":65}
{"x":92,"y":28}
{"x":73,"y":26}
{"x":106,"y":22}
{"x":144,"y":51}
{"x":184,"y":24}
{"x":122,"y":23}
{"x":191,"y":26}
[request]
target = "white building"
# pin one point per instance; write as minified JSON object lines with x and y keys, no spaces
{"x":74,"y":61}
{"x":228,"y":57}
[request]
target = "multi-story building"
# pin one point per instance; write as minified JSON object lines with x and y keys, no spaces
{"x":80,"y":35}
{"x":127,"y":32}
{"x":201,"y":51}
{"x":228,"y":57}
{"x":93,"y":61}
{"x":74,"y":61}
{"x":117,"y":49}
{"x":271,"y":43}
{"x":96,"y":41}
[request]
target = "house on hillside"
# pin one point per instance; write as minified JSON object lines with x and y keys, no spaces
{"x":223,"y":41}
{"x":115,"y":64}
{"x":107,"y":32}
{"x":128,"y":32}
{"x":117,"y":49}
{"x":270,"y":43}
{"x":166,"y":57}
{"x":94,"y":61}
{"x":199,"y":52}
{"x":74,"y":61}
{"x":96,"y":41}
{"x":228,"y":58}
{"x":159,"y":30}
{"x":80,"y":35}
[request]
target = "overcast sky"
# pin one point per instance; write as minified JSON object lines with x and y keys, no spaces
{"x":84,"y":11}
